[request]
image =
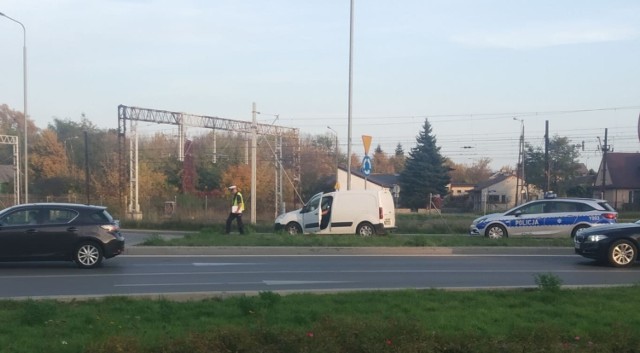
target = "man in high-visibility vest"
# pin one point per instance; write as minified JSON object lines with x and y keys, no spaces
{"x":237,"y":206}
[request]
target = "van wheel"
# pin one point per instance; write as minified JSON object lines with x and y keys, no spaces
{"x":293,"y":228}
{"x":366,"y":229}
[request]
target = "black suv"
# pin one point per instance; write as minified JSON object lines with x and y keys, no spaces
{"x":60,"y":232}
{"x":616,"y":244}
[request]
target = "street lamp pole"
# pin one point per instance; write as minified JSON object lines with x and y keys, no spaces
{"x":350,"y":95}
{"x":24,"y":78}
{"x":337,"y":185}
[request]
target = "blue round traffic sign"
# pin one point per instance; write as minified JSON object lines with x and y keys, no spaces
{"x":366,"y":165}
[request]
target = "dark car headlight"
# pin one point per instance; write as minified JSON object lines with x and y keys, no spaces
{"x":596,"y":238}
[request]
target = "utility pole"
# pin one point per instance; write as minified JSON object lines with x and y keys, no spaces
{"x":86,"y":166}
{"x":605,"y":150}
{"x":520,"y":167}
{"x":254,"y":159}
{"x":547,"y":164}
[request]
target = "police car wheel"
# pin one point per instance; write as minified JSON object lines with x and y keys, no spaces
{"x":623,"y":253}
{"x":495,"y":231}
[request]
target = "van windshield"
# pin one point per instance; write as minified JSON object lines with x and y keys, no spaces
{"x":313,"y":204}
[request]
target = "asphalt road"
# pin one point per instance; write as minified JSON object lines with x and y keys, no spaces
{"x":202,"y":272}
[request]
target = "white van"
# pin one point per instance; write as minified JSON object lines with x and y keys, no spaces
{"x":363,"y":212}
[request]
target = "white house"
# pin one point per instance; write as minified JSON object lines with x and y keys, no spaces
{"x":498,"y":193}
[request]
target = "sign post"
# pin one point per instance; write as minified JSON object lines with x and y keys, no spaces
{"x":367,"y":166}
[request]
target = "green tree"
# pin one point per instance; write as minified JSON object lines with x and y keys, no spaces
{"x":563,"y":162}
{"x":425,"y":172}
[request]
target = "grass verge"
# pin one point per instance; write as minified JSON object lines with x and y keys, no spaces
{"x":213,"y":238}
{"x":529,"y":320}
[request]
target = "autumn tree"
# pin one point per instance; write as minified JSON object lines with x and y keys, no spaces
{"x":48,"y":158}
{"x":49,"y":165}
{"x":317,"y":164}
{"x":381,"y":163}
{"x":475,"y":173}
{"x":398,"y":159}
{"x":425,"y":172}
{"x":563,"y":162}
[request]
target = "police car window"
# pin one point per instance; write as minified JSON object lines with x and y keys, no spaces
{"x":533,"y":208}
{"x":583,"y":207}
{"x":561,"y":207}
{"x":571,"y":207}
{"x":606,"y":206}
{"x":550,"y":207}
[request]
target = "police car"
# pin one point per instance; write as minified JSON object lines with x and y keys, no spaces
{"x":547,"y":217}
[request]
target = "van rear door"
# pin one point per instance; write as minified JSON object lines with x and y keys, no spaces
{"x":387,"y":210}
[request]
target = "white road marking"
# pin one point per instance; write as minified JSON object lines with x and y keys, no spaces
{"x":286,"y":283}
{"x":267,"y":282}
{"x":204,"y":264}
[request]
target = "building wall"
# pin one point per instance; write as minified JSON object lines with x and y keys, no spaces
{"x":458,"y":191}
{"x":497,"y":197}
{"x":617,"y":198}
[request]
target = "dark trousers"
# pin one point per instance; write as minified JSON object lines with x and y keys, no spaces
{"x":238,"y":218}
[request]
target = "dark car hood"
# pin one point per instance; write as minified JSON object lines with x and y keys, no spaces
{"x":606,"y":227}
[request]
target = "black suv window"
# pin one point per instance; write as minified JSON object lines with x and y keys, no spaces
{"x":20,"y":217}
{"x":101,"y":216}
{"x":61,"y":216}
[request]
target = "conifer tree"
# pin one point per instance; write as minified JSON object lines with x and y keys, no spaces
{"x":424,"y":173}
{"x":398,"y":159}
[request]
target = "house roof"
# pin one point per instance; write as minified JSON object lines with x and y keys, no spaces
{"x":384,"y":180}
{"x":624,"y":170}
{"x":495,"y":179}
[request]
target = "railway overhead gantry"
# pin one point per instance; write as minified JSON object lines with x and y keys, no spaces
{"x":135,"y":114}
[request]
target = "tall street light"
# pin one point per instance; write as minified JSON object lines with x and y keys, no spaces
{"x":337,"y":185}
{"x":24,"y":79}
{"x":350,"y":95}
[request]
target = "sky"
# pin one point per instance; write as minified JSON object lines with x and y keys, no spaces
{"x":478,"y":70}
